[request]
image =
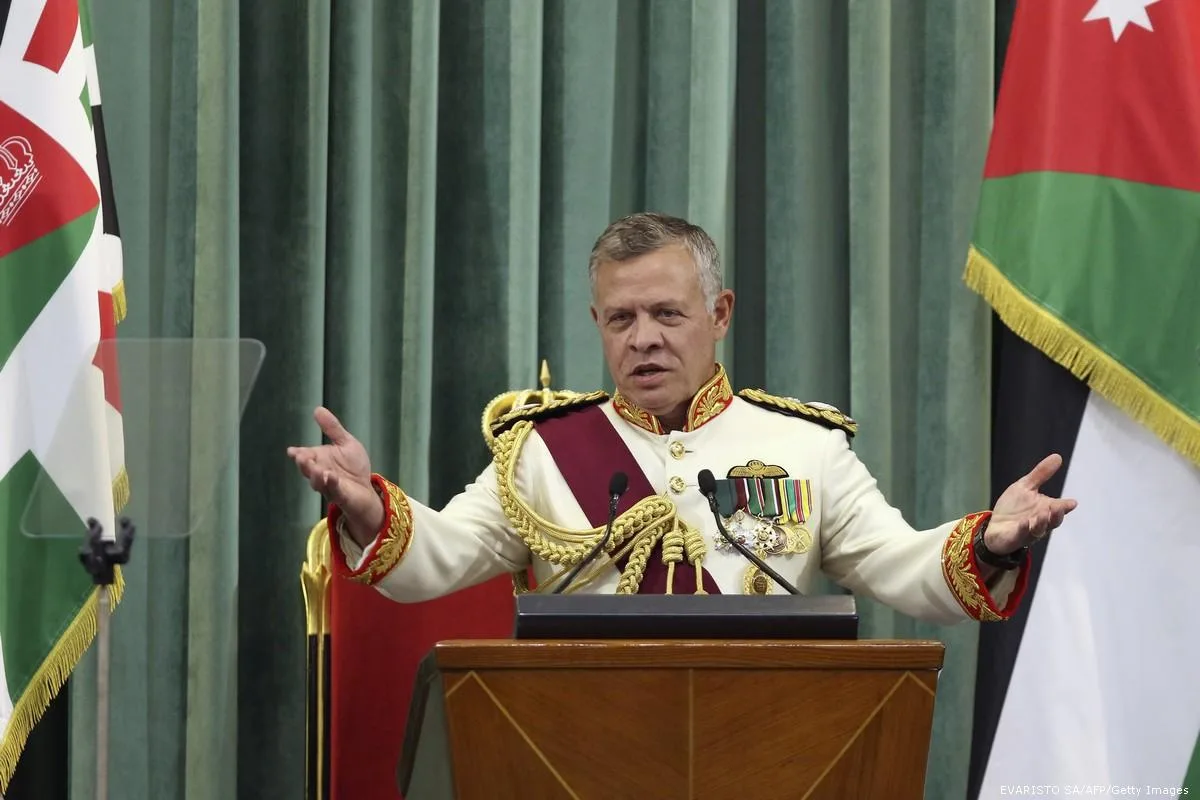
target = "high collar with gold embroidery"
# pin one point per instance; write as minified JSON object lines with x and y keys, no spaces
{"x":713,"y":398}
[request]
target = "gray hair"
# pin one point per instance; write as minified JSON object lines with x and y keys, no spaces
{"x":646,"y":232}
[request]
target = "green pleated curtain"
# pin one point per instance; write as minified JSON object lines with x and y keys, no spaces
{"x":398,"y":199}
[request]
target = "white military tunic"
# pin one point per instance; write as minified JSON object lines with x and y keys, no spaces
{"x":857,"y":538}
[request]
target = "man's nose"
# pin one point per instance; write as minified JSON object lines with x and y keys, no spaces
{"x":646,"y":335}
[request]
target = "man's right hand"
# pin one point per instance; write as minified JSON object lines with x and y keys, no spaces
{"x":341,"y":470}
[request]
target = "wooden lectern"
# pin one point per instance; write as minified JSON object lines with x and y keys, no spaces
{"x":659,"y":719}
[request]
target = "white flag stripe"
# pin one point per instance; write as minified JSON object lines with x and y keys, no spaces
{"x":112,"y":261}
{"x":93,"y":77}
{"x":1104,"y":688}
{"x":116,"y":441}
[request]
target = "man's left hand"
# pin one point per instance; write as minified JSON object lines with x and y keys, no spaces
{"x":1023,"y":514}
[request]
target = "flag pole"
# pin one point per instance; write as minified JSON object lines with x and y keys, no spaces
{"x":102,"y":695}
{"x":100,"y":558}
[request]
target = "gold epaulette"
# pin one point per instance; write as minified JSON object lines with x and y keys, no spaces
{"x":509,"y":408}
{"x":820,"y":413}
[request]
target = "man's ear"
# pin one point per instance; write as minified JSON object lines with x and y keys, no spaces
{"x":723,"y":312}
{"x":595,"y":315}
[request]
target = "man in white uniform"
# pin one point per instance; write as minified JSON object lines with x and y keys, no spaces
{"x":788,"y":485}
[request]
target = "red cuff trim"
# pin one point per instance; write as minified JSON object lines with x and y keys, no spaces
{"x":965,"y":580}
{"x":391,"y":541}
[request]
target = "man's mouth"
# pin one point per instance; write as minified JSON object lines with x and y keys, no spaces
{"x":644,"y":370}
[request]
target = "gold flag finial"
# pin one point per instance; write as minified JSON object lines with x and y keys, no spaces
{"x":315,"y":575}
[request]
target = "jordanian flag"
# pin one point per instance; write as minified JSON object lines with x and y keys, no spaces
{"x":1087,"y":246}
{"x":61,"y":294}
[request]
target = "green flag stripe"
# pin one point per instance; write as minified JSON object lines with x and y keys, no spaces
{"x":1191,"y":780}
{"x":1074,"y":242}
{"x":85,"y":23}
{"x":30,"y":276}
{"x":44,"y":583}
{"x":86,"y":102}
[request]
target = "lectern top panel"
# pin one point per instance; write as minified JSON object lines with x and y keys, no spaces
{"x":685,"y":617}
{"x":880,"y":654}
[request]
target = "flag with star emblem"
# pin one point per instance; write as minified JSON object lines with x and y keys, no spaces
{"x":1087,"y":247}
{"x":61,"y":296}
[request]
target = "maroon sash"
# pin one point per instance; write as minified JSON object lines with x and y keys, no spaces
{"x":588,"y":450}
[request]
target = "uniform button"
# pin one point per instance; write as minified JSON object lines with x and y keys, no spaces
{"x":677,"y":450}
{"x":677,"y":485}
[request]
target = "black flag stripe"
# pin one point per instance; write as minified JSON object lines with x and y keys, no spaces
{"x":108,"y":203}
{"x":1037,"y":409}
{"x":5,"y":5}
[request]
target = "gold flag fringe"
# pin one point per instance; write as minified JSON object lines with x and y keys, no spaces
{"x":121,"y":490}
{"x":1083,"y":358}
{"x":120,"y":305}
{"x":50,"y":678}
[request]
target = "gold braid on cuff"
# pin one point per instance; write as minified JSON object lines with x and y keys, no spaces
{"x":962,"y":574}
{"x":395,"y":537}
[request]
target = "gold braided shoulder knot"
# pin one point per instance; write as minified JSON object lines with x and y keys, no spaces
{"x":820,"y":413}
{"x":509,"y":407}
{"x":635,"y":532}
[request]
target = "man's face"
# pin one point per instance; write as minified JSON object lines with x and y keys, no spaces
{"x":659,"y":339}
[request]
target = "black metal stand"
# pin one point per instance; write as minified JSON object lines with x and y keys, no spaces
{"x":100,"y":558}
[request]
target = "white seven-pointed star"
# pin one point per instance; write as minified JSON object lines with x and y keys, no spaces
{"x":1120,"y":13}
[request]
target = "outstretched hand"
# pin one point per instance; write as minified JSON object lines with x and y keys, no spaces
{"x":1023,"y":514}
{"x":341,"y":471}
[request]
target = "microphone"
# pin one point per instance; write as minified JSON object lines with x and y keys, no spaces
{"x":617,"y":485}
{"x":708,"y":487}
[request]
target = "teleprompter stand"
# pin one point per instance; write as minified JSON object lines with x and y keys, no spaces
{"x":100,"y":558}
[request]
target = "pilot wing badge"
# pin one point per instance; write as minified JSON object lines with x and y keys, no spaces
{"x":767,"y":511}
